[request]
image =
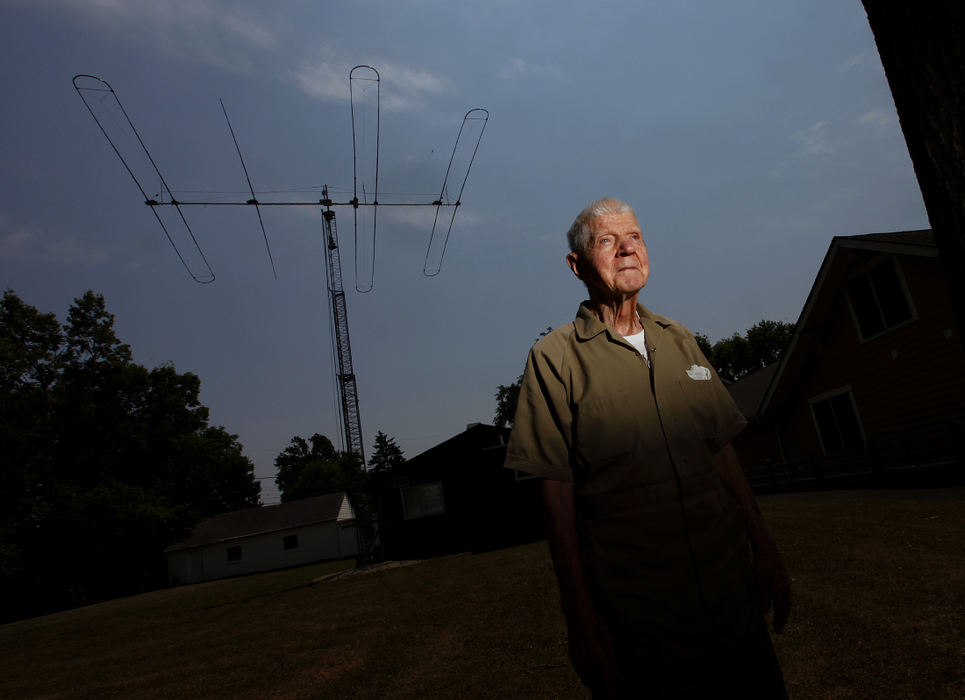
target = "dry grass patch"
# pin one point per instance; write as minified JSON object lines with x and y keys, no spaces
{"x":878,"y":612}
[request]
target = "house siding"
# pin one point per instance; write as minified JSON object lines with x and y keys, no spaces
{"x":264,"y":552}
{"x":907,"y":383}
{"x":485,"y":505}
{"x":320,"y":528}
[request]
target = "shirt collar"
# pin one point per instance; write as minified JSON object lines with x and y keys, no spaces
{"x":588,"y":326}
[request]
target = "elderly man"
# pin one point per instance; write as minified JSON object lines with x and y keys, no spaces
{"x":663,"y":561}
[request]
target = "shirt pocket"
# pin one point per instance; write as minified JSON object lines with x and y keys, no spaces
{"x":697,"y":408}
{"x":605,"y":428}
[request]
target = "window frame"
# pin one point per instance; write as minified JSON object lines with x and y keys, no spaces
{"x":865,"y":273}
{"x":420,"y":488}
{"x":827,"y":397}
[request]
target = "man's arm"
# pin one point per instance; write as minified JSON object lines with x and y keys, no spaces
{"x":772,"y":580}
{"x":590,"y":645}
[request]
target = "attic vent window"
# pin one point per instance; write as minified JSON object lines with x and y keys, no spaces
{"x":423,"y":500}
{"x":879,"y":300}
{"x":290,"y":542}
{"x":234,"y":553}
{"x":837,"y":422}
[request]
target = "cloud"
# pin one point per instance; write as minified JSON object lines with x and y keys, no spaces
{"x":23,"y":244}
{"x":254,"y":33}
{"x":13,"y":244}
{"x":421,"y":218}
{"x":406,"y":87}
{"x":518,"y":68}
{"x":814,"y":141}
{"x":322,"y":79}
{"x":212,"y":31}
{"x":881,"y":120}
{"x":401,"y":87}
{"x":515,"y":69}
{"x":856,"y":61}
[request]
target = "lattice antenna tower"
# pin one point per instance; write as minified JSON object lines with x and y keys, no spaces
{"x":119,"y":130}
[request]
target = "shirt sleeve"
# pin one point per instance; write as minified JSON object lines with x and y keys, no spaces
{"x":728,"y":420}
{"x":540,"y":440}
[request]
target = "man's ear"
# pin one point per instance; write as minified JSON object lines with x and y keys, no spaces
{"x":573,"y":262}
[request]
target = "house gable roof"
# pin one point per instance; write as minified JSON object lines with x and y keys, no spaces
{"x":748,"y":392}
{"x":917,"y":243}
{"x":264,"y":519}
{"x":476,"y":436}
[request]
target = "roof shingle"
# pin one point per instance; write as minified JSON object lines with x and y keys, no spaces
{"x":253,"y":521}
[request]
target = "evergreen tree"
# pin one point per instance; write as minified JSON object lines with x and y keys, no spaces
{"x":386,"y":455}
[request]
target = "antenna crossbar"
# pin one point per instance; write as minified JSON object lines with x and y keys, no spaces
{"x":317,"y":203}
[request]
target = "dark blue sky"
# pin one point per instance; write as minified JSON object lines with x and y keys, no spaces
{"x":746,"y":134}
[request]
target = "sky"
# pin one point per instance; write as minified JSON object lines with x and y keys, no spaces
{"x":745,"y":134}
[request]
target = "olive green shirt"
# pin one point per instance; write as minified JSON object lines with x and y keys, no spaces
{"x":664,"y":545}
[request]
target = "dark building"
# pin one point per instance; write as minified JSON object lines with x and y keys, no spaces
{"x":457,"y":497}
{"x":872,"y":385}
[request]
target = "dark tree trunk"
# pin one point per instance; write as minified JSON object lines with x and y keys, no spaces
{"x":922,"y":48}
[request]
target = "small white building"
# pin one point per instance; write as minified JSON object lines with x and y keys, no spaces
{"x":265,"y":538}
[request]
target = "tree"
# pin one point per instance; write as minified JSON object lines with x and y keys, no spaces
{"x":314,"y":467}
{"x":105,"y":462}
{"x":739,"y":355}
{"x":311,"y":467}
{"x":386,"y":455}
{"x":507,"y":397}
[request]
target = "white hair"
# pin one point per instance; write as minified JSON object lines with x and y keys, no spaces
{"x":579,"y":234}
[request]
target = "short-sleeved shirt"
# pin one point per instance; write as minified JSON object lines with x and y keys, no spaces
{"x":664,"y":545}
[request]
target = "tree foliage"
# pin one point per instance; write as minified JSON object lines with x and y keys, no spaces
{"x":312,"y":467}
{"x":386,"y":455}
{"x":739,"y":355}
{"x":507,"y":396}
{"x":105,"y":462}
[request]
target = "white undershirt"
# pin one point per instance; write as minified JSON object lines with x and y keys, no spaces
{"x":639,"y":341}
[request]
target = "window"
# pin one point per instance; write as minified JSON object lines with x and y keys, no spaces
{"x":290,"y":542}
{"x":878,"y":300}
{"x":422,"y":500}
{"x":837,"y":422}
{"x":234,"y":552}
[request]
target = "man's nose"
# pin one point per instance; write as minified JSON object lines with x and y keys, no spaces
{"x":626,"y":246}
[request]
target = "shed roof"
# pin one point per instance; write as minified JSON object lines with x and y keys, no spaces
{"x":264,"y":519}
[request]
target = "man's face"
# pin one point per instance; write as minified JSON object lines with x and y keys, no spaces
{"x":615,"y":263}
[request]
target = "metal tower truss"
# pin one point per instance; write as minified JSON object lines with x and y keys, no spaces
{"x":365,"y":91}
{"x":351,"y":420}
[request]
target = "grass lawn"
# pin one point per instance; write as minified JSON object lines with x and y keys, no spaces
{"x":879,"y":612}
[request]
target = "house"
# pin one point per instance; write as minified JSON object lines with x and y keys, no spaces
{"x":457,"y":497}
{"x":872,"y":384}
{"x":265,"y":538}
